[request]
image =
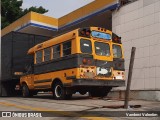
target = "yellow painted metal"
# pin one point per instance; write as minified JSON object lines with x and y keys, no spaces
{"x":83,"y":11}
{"x":31,"y":16}
{"x":44,"y":19}
{"x":19,"y":23}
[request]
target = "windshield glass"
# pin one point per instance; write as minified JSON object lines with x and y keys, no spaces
{"x":117,"y":52}
{"x":101,"y":35}
{"x":86,"y":46}
{"x":102,"y":49}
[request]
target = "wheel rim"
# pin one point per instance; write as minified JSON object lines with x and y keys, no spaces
{"x":58,"y":91}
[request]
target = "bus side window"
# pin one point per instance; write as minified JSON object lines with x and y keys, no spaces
{"x":86,"y":46}
{"x":47,"y":54}
{"x":38,"y":57}
{"x":56,"y":51}
{"x":67,"y":48}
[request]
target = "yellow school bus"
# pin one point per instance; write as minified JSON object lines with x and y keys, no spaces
{"x":84,"y":60}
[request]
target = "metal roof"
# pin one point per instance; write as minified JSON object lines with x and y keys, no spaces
{"x":39,"y":24}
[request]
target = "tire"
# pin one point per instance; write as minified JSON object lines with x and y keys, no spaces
{"x":59,"y":92}
{"x":100,"y":92}
{"x":25,"y":91}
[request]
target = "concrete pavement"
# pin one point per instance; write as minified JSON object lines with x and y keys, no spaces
{"x":44,"y":102}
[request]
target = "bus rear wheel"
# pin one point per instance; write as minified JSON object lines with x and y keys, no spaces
{"x":59,"y":92}
{"x":25,"y":91}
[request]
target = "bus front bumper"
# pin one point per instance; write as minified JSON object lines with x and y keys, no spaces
{"x":93,"y":82}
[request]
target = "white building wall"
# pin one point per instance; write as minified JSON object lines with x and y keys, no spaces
{"x":138,"y":24}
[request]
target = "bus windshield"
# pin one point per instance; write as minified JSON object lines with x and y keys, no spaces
{"x":101,"y":35}
{"x":117,"y":52}
{"x":102,"y":49}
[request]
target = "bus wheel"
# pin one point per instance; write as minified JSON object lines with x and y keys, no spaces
{"x":59,"y":92}
{"x":25,"y":91}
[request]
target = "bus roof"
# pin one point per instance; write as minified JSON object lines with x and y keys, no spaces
{"x":53,"y":41}
{"x":57,"y":39}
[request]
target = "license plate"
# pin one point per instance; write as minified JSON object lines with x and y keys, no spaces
{"x":118,"y":77}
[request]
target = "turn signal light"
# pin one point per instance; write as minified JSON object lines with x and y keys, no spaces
{"x":84,"y":61}
{"x":88,"y":33}
{"x":82,"y":32}
{"x":85,"y":32}
{"x":116,"y":38}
